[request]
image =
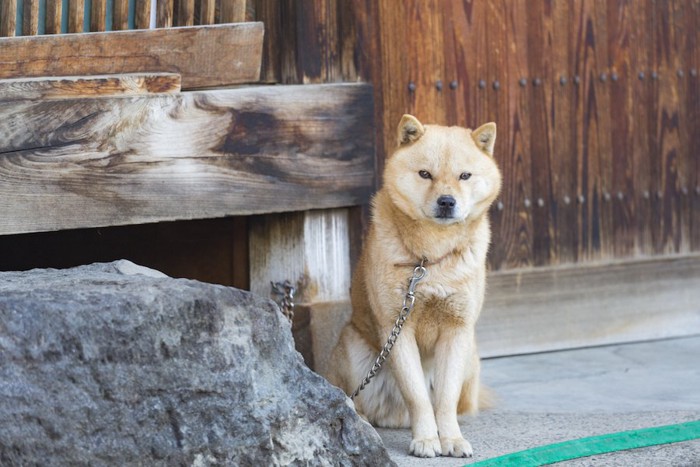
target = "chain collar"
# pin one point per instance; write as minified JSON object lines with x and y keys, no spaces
{"x":409,"y":300}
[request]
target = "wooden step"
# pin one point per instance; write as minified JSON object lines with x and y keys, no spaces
{"x":205,"y":56}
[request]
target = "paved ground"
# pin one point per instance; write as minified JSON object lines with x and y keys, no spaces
{"x":554,"y":397}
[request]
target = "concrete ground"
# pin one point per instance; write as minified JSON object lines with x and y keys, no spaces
{"x":554,"y":397}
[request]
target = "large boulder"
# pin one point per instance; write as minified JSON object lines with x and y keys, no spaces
{"x":114,"y":364}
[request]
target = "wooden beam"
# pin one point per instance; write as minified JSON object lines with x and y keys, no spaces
{"x":556,"y":308}
{"x":126,"y":160}
{"x":312,"y":251}
{"x":205,"y":56}
{"x":89,"y":86}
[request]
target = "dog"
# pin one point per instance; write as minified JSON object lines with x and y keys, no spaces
{"x":438,"y":185}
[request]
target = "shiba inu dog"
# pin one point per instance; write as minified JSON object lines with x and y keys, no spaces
{"x":438,"y":186}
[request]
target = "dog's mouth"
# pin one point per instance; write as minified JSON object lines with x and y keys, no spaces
{"x":445,"y":213}
{"x":445,"y":216}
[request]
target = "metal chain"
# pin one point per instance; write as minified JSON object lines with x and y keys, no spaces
{"x":286,"y":291}
{"x":408,"y":301}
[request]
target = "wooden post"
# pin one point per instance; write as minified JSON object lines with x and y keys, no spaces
{"x":8,"y":18}
{"x":30,"y":22}
{"x":76,"y":14}
{"x":312,"y":251}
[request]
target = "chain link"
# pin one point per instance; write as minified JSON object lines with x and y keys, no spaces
{"x":408,"y":301}
{"x":286,"y":291}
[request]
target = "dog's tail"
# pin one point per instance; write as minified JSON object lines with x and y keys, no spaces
{"x":472,"y":399}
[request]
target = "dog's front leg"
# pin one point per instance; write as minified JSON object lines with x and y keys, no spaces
{"x":408,"y":373}
{"x":453,"y":353}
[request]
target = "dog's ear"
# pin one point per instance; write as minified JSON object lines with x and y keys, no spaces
{"x":485,"y":137}
{"x":410,"y":130}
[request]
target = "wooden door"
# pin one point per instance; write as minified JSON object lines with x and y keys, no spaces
{"x":597,"y":104}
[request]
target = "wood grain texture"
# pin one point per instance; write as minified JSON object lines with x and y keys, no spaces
{"x":54,"y":14}
{"x":30,"y":17}
{"x":186,"y":51}
{"x":98,"y":15}
{"x":142,"y":14}
{"x":184,"y":13}
{"x":164,"y":14}
{"x":120,"y":15}
{"x":233,"y":11}
{"x":76,"y":15}
{"x":8,"y":18}
{"x":540,"y":50}
{"x":618,"y":195}
{"x":116,"y":161}
{"x":89,"y":86}
{"x":207,"y":11}
{"x":312,"y":251}
{"x":312,"y":42}
{"x":565,"y":307}
{"x":595,"y":166}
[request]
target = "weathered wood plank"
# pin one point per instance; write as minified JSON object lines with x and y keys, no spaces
{"x":312,"y":252}
{"x":564,"y":307}
{"x":116,"y":161}
{"x":514,"y":239}
{"x":233,"y":11}
{"x":30,"y":17}
{"x":120,"y":15}
{"x":623,"y":78}
{"x":89,"y":86}
{"x":164,"y":14}
{"x":187,"y":51}
{"x":8,"y":18}
{"x":539,"y":28}
{"x":98,"y":16}
{"x":207,"y":11}
{"x":142,"y":18}
{"x":76,"y":15}
{"x":54,"y":13}
{"x":563,"y":163}
{"x":185,"y":13}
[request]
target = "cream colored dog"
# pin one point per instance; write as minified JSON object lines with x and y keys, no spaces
{"x":438,"y":186}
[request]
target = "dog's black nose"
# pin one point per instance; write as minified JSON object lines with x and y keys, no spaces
{"x":446,"y":201}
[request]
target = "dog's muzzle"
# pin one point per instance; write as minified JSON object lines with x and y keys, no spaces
{"x":445,"y":208}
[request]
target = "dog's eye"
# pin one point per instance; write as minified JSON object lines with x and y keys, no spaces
{"x":425,"y":174}
{"x":465,"y":176}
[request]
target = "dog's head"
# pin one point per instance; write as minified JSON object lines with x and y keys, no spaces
{"x":443,"y":174}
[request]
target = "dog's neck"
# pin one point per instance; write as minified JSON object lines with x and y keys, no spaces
{"x":421,"y":238}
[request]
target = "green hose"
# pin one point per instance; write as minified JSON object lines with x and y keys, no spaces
{"x":594,"y":445}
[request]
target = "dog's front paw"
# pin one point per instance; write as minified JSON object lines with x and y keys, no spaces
{"x":456,"y":447}
{"x":427,"y":447}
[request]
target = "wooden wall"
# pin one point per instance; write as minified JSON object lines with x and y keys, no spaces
{"x":598,"y":108}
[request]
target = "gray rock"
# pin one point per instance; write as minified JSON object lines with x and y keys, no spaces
{"x":111,"y":364}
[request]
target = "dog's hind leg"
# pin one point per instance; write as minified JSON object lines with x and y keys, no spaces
{"x":380,"y":402}
{"x":469,"y":399}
